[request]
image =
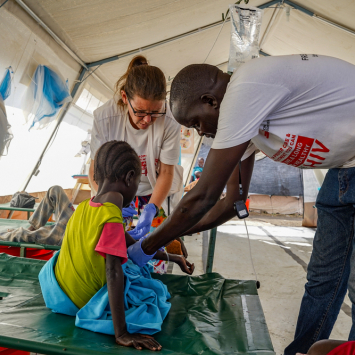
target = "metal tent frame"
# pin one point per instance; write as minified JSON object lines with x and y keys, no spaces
{"x":87,"y":67}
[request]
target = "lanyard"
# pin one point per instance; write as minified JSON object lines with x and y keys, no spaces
{"x":240,"y":179}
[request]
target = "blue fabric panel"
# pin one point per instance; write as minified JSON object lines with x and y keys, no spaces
{"x":5,"y":85}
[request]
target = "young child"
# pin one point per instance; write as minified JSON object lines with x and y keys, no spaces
{"x":95,"y":245}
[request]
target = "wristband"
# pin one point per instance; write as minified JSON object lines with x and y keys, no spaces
{"x":137,"y":255}
{"x":157,"y":210}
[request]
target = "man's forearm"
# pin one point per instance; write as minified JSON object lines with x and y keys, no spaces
{"x":219,"y":214}
{"x":188,"y":212}
{"x":191,"y":209}
{"x":223,"y":210}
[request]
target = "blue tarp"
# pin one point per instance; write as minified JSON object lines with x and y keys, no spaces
{"x":47,"y":93}
{"x":5,"y":85}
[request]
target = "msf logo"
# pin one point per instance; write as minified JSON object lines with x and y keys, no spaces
{"x":266,"y":128}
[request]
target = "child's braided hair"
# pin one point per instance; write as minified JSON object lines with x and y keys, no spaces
{"x":114,"y":160}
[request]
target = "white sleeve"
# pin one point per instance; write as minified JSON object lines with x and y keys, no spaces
{"x":170,"y":149}
{"x":97,"y":137}
{"x":244,"y":107}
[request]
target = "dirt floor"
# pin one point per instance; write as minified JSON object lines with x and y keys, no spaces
{"x":275,"y":220}
{"x":281,"y":250}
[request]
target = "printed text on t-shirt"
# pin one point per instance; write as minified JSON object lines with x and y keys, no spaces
{"x":300,"y":151}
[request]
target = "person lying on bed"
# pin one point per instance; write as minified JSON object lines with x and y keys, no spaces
{"x":95,"y":244}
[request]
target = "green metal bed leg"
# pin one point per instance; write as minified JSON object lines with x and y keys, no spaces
{"x":211,"y":247}
{"x":22,"y":252}
{"x":28,"y":214}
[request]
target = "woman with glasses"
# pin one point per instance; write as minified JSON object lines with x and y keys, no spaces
{"x":139,"y":114}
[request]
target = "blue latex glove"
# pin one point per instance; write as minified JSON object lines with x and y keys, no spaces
{"x":144,"y":222}
{"x":129,"y":211}
{"x":137,"y":255}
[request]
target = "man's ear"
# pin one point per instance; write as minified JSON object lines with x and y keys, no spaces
{"x":124,"y":97}
{"x":129,"y":178}
{"x":209,"y":99}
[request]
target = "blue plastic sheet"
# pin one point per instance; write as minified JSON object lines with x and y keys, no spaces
{"x":5,"y":85}
{"x":46,"y":94}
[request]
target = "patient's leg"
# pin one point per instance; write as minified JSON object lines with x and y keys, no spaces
{"x":55,"y":200}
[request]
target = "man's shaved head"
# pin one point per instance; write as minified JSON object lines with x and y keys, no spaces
{"x":191,"y":83}
{"x":193,"y":89}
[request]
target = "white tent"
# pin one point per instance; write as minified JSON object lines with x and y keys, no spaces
{"x":99,"y":38}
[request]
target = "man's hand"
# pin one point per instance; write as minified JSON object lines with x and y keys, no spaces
{"x":184,"y":265}
{"x":138,"y":341}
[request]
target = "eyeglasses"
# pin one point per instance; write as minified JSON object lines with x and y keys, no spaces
{"x":143,"y":114}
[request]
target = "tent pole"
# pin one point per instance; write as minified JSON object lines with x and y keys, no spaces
{"x":59,"y":41}
{"x":59,"y":121}
{"x":193,"y":161}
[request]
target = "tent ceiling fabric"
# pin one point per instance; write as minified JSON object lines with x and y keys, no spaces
{"x":341,"y":12}
{"x":100,"y":29}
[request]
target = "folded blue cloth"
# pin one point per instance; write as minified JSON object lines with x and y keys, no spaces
{"x":145,"y":301}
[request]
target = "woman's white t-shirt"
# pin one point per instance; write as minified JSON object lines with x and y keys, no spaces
{"x":112,"y":123}
{"x":298,"y":109}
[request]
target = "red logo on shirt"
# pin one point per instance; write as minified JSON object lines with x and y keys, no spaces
{"x":299,"y":151}
{"x":143,"y":159}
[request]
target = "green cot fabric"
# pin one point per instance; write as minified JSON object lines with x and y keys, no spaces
{"x":209,"y":315}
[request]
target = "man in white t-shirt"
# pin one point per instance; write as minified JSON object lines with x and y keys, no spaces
{"x":299,"y":110}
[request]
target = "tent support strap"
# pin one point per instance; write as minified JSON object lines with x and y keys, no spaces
{"x":59,"y":121}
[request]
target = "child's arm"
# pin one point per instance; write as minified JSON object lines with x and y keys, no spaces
{"x":180,"y":260}
{"x":184,"y":265}
{"x":115,"y":288}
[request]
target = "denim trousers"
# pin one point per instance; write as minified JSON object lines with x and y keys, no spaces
{"x":331,"y":270}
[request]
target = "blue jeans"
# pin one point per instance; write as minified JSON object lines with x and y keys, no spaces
{"x":331,"y":270}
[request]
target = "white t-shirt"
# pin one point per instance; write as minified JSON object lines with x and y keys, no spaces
{"x":297,"y":109}
{"x":112,"y":123}
{"x":140,"y":139}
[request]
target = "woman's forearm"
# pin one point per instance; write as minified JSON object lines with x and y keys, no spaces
{"x":163,"y":185}
{"x":92,"y":182}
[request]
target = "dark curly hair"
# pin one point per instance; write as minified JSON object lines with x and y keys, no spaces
{"x":114,"y":160}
